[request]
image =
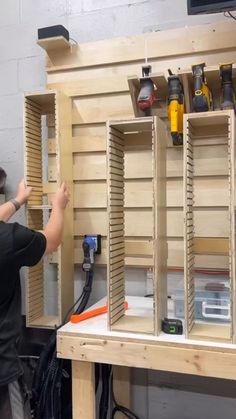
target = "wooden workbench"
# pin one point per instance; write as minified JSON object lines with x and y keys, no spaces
{"x":89,"y":342}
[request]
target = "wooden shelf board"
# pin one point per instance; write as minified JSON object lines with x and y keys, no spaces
{"x":133,"y":125}
{"x":54,"y":43}
{"x":136,"y":324}
{"x":213,"y":246}
{"x":212,"y":118}
{"x":39,"y":207}
{"x":45,"y":99}
{"x":211,"y":332}
{"x":46,"y":322}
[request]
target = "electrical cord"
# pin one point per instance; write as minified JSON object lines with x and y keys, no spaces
{"x":106,"y":371}
{"x":229,"y":15}
{"x":50,"y":372}
{"x":118,"y":408}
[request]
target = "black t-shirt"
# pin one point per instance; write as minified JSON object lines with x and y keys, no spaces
{"x":19,"y":247}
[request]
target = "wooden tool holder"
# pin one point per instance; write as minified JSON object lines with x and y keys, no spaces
{"x":121,"y":137}
{"x":36,"y":107}
{"x":217,"y":130}
{"x":159,"y":107}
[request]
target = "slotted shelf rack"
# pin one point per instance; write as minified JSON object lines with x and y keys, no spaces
{"x":120,"y":136}
{"x":216,"y":241}
{"x":37,"y":106}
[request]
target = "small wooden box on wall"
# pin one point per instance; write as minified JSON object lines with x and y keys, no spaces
{"x":37,"y":107}
{"x":121,"y":137}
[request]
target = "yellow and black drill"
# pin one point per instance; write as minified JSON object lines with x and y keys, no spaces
{"x":202,"y":100}
{"x":227,"y":99}
{"x":175,"y":108}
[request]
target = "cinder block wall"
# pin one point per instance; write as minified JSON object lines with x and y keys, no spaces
{"x":22,"y":70}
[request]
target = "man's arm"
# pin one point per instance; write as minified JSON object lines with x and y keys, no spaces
{"x":8,"y":209}
{"x":54,"y":228}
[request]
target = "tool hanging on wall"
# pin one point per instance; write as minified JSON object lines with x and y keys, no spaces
{"x":146,"y":95}
{"x":175,"y":108}
{"x":202,"y":100}
{"x":227,"y":98}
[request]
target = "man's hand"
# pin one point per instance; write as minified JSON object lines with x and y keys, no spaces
{"x":61,"y":197}
{"x":23,"y":192}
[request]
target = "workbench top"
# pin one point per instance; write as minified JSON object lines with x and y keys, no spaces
{"x":91,"y":341}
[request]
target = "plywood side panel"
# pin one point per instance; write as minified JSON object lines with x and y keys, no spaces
{"x":65,"y":174}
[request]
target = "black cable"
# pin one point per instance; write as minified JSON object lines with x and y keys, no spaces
{"x":50,"y":371}
{"x":104,"y":400}
{"x":118,"y":408}
{"x":72,"y":39}
{"x":229,"y":15}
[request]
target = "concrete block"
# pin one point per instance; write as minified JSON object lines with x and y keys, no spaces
{"x":11,"y":146}
{"x":186,"y":405}
{"x":10,"y":12}
{"x":8,"y":78}
{"x":11,"y":111}
{"x":74,"y":7}
{"x":132,"y":19}
{"x":41,"y":10}
{"x":32,"y":75}
{"x":18,"y":41}
{"x":90,"y":5}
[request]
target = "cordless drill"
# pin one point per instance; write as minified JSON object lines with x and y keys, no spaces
{"x":202,"y":100}
{"x":146,"y":95}
{"x":227,"y":99}
{"x":175,"y":108}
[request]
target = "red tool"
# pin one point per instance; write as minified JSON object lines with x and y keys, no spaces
{"x":76,"y":318}
{"x":146,"y":95}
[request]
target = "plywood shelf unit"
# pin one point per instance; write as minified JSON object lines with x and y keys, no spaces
{"x":214,"y":241}
{"x":119,"y":134}
{"x":36,"y":107}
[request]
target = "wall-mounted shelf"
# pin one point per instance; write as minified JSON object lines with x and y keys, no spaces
{"x":56,"y":43}
{"x":118,"y":135}
{"x":160,"y":81}
{"x":37,"y":107}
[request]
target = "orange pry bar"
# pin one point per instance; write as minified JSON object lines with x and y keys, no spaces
{"x":76,"y":318}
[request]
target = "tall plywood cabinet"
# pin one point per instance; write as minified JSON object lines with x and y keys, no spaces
{"x":213,"y":172}
{"x":124,"y":137}
{"x":37,"y":107}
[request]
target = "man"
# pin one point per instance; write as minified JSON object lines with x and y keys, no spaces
{"x":20,"y":246}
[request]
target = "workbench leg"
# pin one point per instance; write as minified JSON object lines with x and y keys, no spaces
{"x":83,"y":390}
{"x":121,"y":386}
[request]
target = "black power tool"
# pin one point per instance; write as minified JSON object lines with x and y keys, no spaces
{"x":227,"y":99}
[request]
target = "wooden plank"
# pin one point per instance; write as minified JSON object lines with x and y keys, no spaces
{"x":83,"y":390}
{"x":189,"y":40}
{"x":205,"y":165}
{"x":86,"y":110}
{"x":211,"y":246}
{"x":96,"y":86}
